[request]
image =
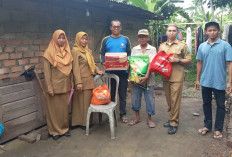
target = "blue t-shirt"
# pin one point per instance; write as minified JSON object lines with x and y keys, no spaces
{"x":214,"y":62}
{"x":115,"y":45}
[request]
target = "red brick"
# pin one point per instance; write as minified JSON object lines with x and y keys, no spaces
{"x":46,"y":42}
{"x":39,"y":70}
{"x":4,"y":56}
{"x":10,"y":36}
{"x":16,"y":68}
{"x":13,"y":75}
{"x":9,"y":62}
{"x":23,"y":61}
{"x":28,"y":54}
{"x":22,"y":48}
{"x":41,"y":60}
{"x":4,"y":71}
{"x":27,"y":66}
{"x":9,"y":49}
{"x":37,"y":42}
{"x":3,"y":77}
{"x":34,"y":60}
{"x":34,"y":47}
{"x":16,"y":55}
{"x":43,"y":47}
{"x":39,"y":66}
{"x":39,"y":53}
{"x":2,"y":42}
{"x":27,"y":42}
{"x":15,"y":42}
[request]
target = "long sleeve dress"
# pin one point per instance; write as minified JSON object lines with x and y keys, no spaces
{"x":57,"y":105}
{"x":81,"y":99}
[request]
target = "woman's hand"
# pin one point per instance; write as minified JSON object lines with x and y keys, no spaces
{"x":100,"y":73}
{"x":79,"y":87}
{"x":51,"y":93}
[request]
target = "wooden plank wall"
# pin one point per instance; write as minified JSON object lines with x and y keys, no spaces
{"x":20,"y":107}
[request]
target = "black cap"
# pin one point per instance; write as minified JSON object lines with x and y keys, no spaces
{"x":212,"y":24}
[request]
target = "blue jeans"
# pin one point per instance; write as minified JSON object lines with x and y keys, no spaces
{"x":149,"y":98}
{"x":207,"y":107}
{"x":122,"y":89}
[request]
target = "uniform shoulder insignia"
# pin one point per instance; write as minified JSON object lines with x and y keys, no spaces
{"x":183,"y":42}
{"x":162,"y":43}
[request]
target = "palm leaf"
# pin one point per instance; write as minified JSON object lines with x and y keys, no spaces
{"x":139,"y":3}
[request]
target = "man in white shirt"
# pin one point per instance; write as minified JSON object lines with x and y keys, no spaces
{"x":144,"y":49}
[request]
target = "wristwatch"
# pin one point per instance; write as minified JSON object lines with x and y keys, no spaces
{"x":179,"y":60}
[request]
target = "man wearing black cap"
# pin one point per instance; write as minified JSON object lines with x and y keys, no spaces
{"x":212,"y":58}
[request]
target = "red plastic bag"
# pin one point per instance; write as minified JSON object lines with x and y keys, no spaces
{"x":161,"y":65}
{"x":101,"y":95}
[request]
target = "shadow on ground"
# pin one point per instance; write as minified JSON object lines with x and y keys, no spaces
{"x":132,"y":141}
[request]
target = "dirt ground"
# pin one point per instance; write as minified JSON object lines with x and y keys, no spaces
{"x":134,"y":141}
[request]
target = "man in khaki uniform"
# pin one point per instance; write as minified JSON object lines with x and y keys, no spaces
{"x":173,"y":86}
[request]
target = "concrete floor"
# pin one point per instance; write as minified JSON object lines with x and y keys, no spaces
{"x":132,"y":141}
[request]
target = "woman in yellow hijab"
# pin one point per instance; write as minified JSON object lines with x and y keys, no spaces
{"x":84,"y":68}
{"x":58,"y":79}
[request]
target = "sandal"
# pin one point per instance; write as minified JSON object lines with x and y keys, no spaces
{"x":134,"y":122}
{"x":217,"y":135}
{"x":151,"y":124}
{"x":124,"y":119}
{"x":203,"y":131}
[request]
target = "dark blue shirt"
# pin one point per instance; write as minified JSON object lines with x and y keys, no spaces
{"x":115,"y":45}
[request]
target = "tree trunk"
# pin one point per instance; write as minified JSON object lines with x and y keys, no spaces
{"x":212,"y":10}
{"x":203,"y":10}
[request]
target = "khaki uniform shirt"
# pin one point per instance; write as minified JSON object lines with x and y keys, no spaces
{"x":56,"y":81}
{"x":151,"y":52}
{"x":179,"y":50}
{"x":81,"y":70}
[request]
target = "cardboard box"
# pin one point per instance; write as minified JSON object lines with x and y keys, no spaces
{"x":116,"y":61}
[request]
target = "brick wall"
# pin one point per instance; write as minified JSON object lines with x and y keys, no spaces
{"x":26,"y":27}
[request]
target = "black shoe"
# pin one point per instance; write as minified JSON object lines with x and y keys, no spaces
{"x":83,"y":127}
{"x":75,"y":127}
{"x":55,"y":137}
{"x":166,"y":124}
{"x":67,"y":134}
{"x":172,"y":130}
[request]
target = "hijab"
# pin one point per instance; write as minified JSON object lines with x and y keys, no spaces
{"x":59,"y":57}
{"x":85,"y":50}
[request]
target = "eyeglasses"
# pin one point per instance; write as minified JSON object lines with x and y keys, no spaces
{"x":116,"y":27}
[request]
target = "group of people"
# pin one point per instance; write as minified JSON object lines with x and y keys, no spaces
{"x":65,"y":69}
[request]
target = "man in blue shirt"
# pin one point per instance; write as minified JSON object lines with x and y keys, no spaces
{"x":116,"y":43}
{"x":212,"y":57}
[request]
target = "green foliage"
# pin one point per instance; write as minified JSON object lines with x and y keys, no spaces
{"x":221,"y":3}
{"x":190,"y":72}
{"x":139,"y":3}
{"x":165,"y":8}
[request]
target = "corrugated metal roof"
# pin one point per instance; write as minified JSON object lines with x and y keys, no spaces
{"x":123,"y":8}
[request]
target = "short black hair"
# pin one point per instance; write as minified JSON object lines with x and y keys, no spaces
{"x":111,"y":23}
{"x":212,"y":24}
